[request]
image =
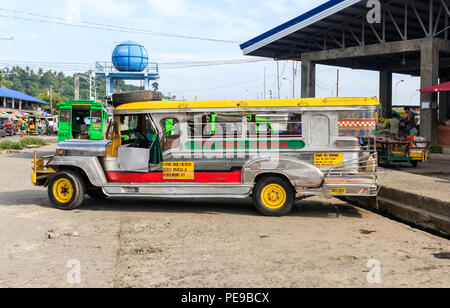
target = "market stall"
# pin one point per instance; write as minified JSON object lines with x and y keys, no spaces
{"x":443,"y":128}
{"x":398,"y":140}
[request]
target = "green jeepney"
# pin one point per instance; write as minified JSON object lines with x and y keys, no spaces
{"x":85,"y":120}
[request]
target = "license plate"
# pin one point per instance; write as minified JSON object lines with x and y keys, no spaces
{"x":338,"y":191}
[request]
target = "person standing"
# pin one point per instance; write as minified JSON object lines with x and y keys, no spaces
{"x":47,"y":127}
{"x":23,"y":128}
{"x":394,"y":127}
{"x":410,"y":122}
{"x":40,"y":127}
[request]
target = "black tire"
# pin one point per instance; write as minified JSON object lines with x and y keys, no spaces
{"x":136,"y":96}
{"x":96,"y":193}
{"x":73,"y":196}
{"x":415,"y":163}
{"x":283,"y":193}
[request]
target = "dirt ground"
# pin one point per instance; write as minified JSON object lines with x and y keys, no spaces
{"x":213,"y":243}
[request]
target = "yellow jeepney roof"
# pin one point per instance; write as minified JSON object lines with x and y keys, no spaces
{"x":240,"y":104}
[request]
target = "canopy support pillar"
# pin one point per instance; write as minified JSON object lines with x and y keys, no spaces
{"x":429,"y":74}
{"x":308,"y":79}
{"x":386,"y":94}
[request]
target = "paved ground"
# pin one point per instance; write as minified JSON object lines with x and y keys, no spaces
{"x":437,"y":168}
{"x":215,"y":243}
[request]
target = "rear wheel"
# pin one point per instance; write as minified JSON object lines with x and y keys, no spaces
{"x":66,"y":190}
{"x":274,"y":196}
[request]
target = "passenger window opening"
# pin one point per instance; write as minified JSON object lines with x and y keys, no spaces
{"x":286,"y":125}
{"x":171,"y":133}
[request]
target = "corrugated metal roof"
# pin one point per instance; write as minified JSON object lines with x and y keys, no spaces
{"x":19,"y":96}
{"x":327,"y":9}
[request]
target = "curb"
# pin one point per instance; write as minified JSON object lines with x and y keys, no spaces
{"x":429,"y":214}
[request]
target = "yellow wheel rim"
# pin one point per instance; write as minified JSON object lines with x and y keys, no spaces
{"x":273,"y":196}
{"x":63,"y":190}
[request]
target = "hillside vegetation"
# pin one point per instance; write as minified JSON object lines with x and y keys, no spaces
{"x":37,"y":84}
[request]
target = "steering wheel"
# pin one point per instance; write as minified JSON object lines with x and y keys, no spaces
{"x":141,"y":141}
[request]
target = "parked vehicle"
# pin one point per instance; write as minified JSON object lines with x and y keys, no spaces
{"x":2,"y":130}
{"x":10,"y":126}
{"x":85,"y":120}
{"x":53,"y":124}
{"x":219,"y":149}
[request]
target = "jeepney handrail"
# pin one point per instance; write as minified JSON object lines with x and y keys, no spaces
{"x":361,"y":163}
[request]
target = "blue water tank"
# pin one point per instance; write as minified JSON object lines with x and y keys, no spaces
{"x":130,"y":57}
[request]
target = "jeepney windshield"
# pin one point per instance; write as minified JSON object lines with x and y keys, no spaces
{"x":66,"y":116}
{"x":96,"y":116}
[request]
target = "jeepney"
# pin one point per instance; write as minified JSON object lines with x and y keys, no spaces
{"x":218,"y":149}
{"x":86,"y":120}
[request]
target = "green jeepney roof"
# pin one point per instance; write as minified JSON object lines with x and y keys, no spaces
{"x":73,"y":103}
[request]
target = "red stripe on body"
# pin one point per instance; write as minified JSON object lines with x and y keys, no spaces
{"x":157,"y":177}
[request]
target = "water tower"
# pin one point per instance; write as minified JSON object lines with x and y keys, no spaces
{"x":129,"y":62}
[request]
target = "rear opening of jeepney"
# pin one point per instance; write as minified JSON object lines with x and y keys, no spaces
{"x":273,"y":151}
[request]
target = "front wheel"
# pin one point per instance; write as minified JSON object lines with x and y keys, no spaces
{"x":66,"y":190}
{"x":274,"y":196}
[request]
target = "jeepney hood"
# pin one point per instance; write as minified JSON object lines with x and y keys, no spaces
{"x":83,"y":147}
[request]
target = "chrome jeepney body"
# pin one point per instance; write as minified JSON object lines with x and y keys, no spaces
{"x":322,"y":147}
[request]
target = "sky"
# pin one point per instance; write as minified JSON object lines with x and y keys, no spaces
{"x":37,"y":43}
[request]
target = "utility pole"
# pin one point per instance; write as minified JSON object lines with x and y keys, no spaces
{"x":337,"y":84}
{"x":90,"y":85}
{"x":293,"y":79}
{"x":77,"y":87}
{"x":264,"y":82}
{"x":51,"y":100}
{"x":278,"y":78}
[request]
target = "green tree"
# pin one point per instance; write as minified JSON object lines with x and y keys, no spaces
{"x":155,"y":86}
{"x":56,"y":99}
{"x":37,"y":83}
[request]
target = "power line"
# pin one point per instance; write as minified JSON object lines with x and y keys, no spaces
{"x":76,"y":66}
{"x":224,"y":86}
{"x":178,"y":65}
{"x":106,"y":27}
